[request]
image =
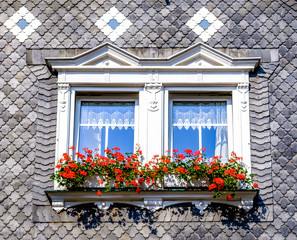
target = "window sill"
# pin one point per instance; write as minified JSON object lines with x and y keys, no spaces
{"x":149,"y":199}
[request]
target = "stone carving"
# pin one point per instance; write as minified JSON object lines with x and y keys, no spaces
{"x":201,"y":205}
{"x":153,"y":89}
{"x":243,"y":88}
{"x":58,"y":205}
{"x":103,"y":205}
{"x":63,"y":90}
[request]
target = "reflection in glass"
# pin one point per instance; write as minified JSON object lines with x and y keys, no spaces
{"x":185,"y":139}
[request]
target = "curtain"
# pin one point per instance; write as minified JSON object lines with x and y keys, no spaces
{"x":113,"y":114}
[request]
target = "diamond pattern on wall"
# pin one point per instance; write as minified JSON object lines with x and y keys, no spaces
{"x":22,"y":24}
{"x":204,"y":23}
{"x":113,"y":24}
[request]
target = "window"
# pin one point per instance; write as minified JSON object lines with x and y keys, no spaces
{"x":196,"y":98}
{"x":105,"y":124}
{"x":197,"y":124}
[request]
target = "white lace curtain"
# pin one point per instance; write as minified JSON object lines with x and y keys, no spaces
{"x":120,"y":115}
{"x":192,"y":114}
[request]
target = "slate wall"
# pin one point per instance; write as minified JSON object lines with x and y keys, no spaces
{"x":28,"y":114}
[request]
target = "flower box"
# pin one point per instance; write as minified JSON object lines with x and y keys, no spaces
{"x":92,"y":182}
{"x":173,"y":181}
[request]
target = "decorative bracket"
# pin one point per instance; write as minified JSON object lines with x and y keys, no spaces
{"x":201,"y":205}
{"x":63,"y":89}
{"x":58,"y":205}
{"x":153,"y":88}
{"x":243,"y":88}
{"x":103,"y":205}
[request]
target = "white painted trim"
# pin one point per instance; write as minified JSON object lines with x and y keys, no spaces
{"x":143,"y":76}
{"x":151,"y":200}
{"x":198,"y":50}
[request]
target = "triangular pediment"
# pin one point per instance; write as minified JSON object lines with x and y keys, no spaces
{"x":111,"y":57}
{"x":105,"y":55}
{"x":105,"y":60}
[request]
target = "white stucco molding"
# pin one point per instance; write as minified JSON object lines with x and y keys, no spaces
{"x":111,"y":58}
{"x":150,"y":200}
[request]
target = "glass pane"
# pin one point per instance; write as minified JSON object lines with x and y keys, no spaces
{"x":209,"y":141}
{"x":185,"y":139}
{"x":215,"y":140}
{"x":92,"y":138}
{"x":122,"y":138}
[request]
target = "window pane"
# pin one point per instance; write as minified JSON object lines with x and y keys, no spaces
{"x":92,"y":138}
{"x":209,"y":140}
{"x":122,"y":138}
{"x":208,"y":117}
{"x":185,"y":139}
{"x":216,"y":141}
{"x":107,"y":124}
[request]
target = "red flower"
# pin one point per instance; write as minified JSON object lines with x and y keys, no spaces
{"x":188,"y":151}
{"x":180,"y":169}
{"x":116,"y":148}
{"x":212,"y":186}
{"x":139,"y":151}
{"x":72,"y":147}
{"x":240,"y":176}
{"x":83,"y":173}
{"x":72,"y":165}
{"x":138,"y":190}
{"x":218,"y":181}
{"x":215,"y":167}
{"x":255,"y":185}
{"x":197,"y":168}
{"x":165,"y":169}
{"x":197,"y":153}
{"x":107,"y":151}
{"x":100,"y":181}
{"x":118,"y":171}
{"x":99,"y":193}
{"x":229,"y":197}
{"x":140,"y":180}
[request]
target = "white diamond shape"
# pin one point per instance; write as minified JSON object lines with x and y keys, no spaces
{"x":22,"y":34}
{"x":204,"y":34}
{"x":113,"y":34}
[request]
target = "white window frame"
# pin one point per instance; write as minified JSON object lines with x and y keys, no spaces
{"x":105,"y":98}
{"x":199,"y":68}
{"x":194,"y":97}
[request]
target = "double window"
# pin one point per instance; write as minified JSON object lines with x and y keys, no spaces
{"x":193,"y":123}
{"x":181,"y":101}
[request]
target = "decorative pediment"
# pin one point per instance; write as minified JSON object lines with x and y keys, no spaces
{"x":105,"y":55}
{"x":108,"y":56}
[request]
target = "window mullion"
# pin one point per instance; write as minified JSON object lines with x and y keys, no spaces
{"x":200,"y":136}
